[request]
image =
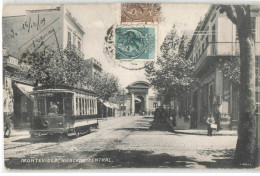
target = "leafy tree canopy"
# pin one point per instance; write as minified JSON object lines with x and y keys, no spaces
{"x":48,"y":67}
{"x":105,"y":86}
{"x":172,"y":74}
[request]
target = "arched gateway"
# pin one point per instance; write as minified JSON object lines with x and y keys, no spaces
{"x":139,"y":96}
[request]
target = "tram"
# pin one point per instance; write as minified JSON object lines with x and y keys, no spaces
{"x":63,"y":110}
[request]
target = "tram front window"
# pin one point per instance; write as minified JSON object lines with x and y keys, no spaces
{"x":58,"y":101}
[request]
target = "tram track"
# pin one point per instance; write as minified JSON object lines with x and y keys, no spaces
{"x":38,"y":146}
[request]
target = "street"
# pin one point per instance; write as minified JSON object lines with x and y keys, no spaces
{"x":121,"y":142}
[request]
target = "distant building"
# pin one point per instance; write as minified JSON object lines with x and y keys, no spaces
{"x":55,"y":28}
{"x":153,"y":103}
{"x":95,"y":67}
{"x":215,"y":40}
{"x":138,"y":101}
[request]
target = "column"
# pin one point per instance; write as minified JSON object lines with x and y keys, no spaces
{"x":258,"y":139}
{"x":133,"y":103}
{"x":146,"y":103}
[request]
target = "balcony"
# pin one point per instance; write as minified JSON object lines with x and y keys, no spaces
{"x":76,"y":50}
{"x":217,"y":49}
{"x":222,"y":49}
{"x":9,"y":61}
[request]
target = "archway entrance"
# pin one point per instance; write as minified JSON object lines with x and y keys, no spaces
{"x":138,"y":92}
{"x":139,"y":104}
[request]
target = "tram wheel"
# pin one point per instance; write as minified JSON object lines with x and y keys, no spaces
{"x":88,"y":130}
{"x":77,"y":132}
{"x":33,"y":135}
{"x":58,"y":136}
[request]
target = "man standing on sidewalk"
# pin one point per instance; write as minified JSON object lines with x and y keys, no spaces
{"x":217,"y":117}
{"x":210,"y":121}
{"x":193,"y":119}
{"x":8,"y":125}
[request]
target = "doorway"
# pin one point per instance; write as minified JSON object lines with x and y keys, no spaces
{"x":139,"y":104}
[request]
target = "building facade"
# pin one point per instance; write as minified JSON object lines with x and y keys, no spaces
{"x":214,"y":41}
{"x":95,"y":67}
{"x":55,"y":28}
{"x":138,"y":101}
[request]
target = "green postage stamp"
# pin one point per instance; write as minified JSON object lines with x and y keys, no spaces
{"x":135,"y":43}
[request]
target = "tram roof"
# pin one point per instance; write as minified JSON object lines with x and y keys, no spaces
{"x":64,"y":87}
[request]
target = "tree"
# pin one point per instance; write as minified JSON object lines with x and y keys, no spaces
{"x":172,"y":74}
{"x":105,"y":86}
{"x":245,"y":149}
{"x":48,"y":67}
{"x":231,"y":70}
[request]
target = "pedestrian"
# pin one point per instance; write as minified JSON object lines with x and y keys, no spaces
{"x":156,"y":115}
{"x":217,"y":116}
{"x":174,"y":117}
{"x":193,"y":123}
{"x":211,"y":123}
{"x":163,"y":114}
{"x":8,"y":125}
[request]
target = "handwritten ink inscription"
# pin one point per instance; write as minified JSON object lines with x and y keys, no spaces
{"x":13,"y":33}
{"x":29,"y":24}
{"x":38,"y":42}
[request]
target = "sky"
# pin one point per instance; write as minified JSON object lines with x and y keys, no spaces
{"x":97,"y":18}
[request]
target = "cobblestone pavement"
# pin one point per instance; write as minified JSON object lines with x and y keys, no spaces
{"x":123,"y":142}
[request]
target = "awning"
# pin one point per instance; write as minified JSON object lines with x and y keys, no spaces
{"x":25,"y":89}
{"x":109,"y":104}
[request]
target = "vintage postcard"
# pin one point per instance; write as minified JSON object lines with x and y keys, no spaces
{"x":131,"y":85}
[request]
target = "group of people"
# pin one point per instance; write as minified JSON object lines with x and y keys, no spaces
{"x":213,"y":121}
{"x":161,"y":114}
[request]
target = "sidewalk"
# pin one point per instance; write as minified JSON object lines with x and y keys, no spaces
{"x":19,"y":132}
{"x":204,"y":132}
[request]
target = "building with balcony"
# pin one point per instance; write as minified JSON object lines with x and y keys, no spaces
{"x":215,"y":40}
{"x":95,"y":67}
{"x":55,"y":28}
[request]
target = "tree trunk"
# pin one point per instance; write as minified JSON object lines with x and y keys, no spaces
{"x":245,"y":148}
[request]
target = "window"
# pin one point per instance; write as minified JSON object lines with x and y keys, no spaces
{"x":74,"y":38}
{"x":79,"y":45}
{"x":80,"y":108}
{"x":41,"y":106}
{"x":94,"y":106}
{"x":69,"y":38}
{"x":86,"y":108}
{"x":155,"y":105}
{"x":90,"y":106}
{"x":253,"y":25}
{"x":68,"y":106}
{"x":77,"y":106}
{"x":213,"y":49}
{"x":6,"y":83}
{"x":83,"y":106}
